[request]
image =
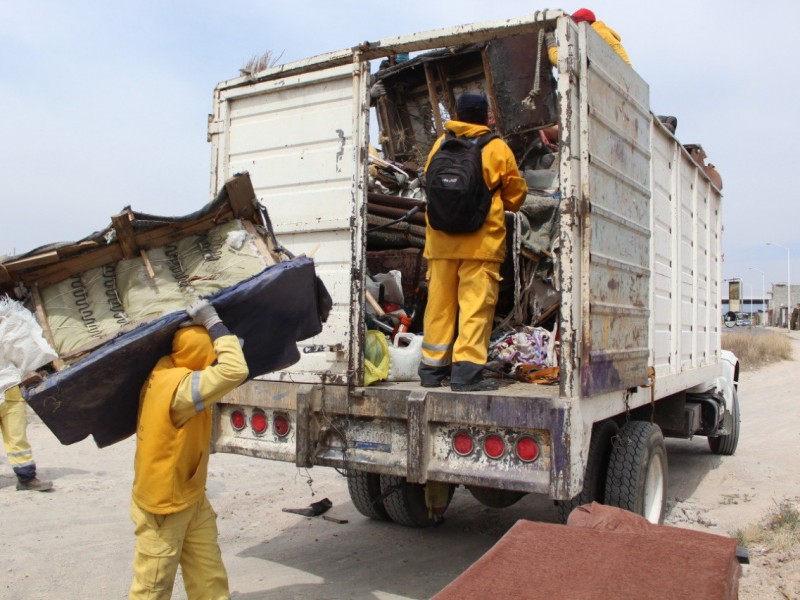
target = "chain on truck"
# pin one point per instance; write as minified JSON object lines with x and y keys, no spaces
{"x":614,"y":262}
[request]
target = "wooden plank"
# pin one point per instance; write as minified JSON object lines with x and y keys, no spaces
{"x":30,"y":262}
{"x":41,"y":316}
{"x":261,"y":245}
{"x":242,"y":196}
{"x":386,"y":129}
{"x":487,"y":70}
{"x":147,"y":265}
{"x":449,"y":96}
{"x":125,"y":236}
{"x":434,"y":100}
{"x":112,"y":253}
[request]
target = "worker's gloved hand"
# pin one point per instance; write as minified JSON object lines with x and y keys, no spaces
{"x":377,"y":90}
{"x":550,"y":39}
{"x":202,"y":313}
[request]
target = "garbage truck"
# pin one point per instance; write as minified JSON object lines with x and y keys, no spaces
{"x":613,"y":268}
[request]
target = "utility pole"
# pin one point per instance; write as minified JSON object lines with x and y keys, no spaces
{"x":763,"y":297}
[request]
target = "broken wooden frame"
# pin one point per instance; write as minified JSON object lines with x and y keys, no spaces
{"x":131,"y":235}
{"x":421,"y":93}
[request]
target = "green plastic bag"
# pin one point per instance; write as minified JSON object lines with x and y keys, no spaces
{"x":376,"y":357}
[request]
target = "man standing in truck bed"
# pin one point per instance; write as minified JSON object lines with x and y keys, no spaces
{"x":464,"y":267}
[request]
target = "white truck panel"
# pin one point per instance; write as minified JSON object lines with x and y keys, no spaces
{"x":295,"y":137}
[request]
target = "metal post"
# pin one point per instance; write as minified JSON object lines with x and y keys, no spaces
{"x":763,"y":295}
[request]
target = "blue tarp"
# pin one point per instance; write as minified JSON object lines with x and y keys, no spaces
{"x":99,"y":395}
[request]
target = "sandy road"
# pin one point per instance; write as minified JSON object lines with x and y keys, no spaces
{"x":77,"y":542}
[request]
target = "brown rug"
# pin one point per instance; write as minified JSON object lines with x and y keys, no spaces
{"x":602,"y":552}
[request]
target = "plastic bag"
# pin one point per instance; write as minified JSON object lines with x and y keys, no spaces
{"x":24,"y":348}
{"x":376,"y":357}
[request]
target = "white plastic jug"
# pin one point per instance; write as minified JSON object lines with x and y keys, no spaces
{"x":404,"y":360}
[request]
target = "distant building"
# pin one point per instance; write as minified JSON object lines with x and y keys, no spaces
{"x":778,"y":314}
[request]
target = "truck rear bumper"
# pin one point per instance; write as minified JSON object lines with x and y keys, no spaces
{"x":406,"y":430}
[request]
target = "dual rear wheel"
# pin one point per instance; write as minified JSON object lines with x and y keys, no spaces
{"x":392,"y":498}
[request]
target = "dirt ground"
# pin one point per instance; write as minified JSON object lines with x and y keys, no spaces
{"x":77,"y":542}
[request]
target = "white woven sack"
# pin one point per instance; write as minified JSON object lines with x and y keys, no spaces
{"x":23,"y":348}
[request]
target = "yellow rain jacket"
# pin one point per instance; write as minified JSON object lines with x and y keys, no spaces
{"x":611,"y":37}
{"x":174,"y":426}
{"x":499,"y":167}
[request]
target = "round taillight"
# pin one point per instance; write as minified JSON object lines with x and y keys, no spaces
{"x":494,"y":446}
{"x":238,"y":420}
{"x":258,"y":422}
{"x":527,"y":449}
{"x":463,"y":444}
{"x":280,"y":425}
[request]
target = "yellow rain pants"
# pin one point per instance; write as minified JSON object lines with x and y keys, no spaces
{"x":13,"y":424}
{"x":464,"y":291}
{"x":188,"y":538}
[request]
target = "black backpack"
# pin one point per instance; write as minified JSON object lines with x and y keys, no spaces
{"x":458,"y":197}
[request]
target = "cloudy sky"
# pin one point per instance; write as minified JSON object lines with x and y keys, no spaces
{"x":105,"y":103}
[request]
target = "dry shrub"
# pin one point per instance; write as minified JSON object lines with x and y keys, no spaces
{"x":755,"y":350}
{"x":259,"y":63}
{"x":779,"y":532}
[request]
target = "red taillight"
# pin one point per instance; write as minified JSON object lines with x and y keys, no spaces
{"x":258,"y":422}
{"x":463,"y":444}
{"x":280,"y":425}
{"x":527,"y":449}
{"x":238,"y":420}
{"x":494,"y":446}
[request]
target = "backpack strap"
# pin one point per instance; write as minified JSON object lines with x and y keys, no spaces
{"x":485,"y":139}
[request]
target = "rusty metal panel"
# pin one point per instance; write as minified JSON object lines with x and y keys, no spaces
{"x":617,"y":226}
{"x":513,"y":62}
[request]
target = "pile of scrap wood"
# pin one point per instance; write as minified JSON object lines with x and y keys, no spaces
{"x":395,"y":205}
{"x":110,"y":303}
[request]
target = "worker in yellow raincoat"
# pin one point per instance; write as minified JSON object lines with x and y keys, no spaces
{"x":13,"y":424}
{"x":611,"y":37}
{"x":174,"y":521}
{"x":464,"y":268}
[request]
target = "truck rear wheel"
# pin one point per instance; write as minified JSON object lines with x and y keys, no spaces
{"x":405,"y":502}
{"x":637,"y":471}
{"x":365,"y":489}
{"x":594,"y":479}
{"x":725,"y":445}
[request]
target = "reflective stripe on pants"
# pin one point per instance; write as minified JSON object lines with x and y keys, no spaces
{"x":13,"y":424}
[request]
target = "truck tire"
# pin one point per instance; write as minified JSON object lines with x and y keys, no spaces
{"x":594,"y":479}
{"x":365,"y":489}
{"x":405,"y":502}
{"x":725,"y":445}
{"x":637,"y":471}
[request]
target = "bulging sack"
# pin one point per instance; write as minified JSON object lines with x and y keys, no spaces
{"x":376,"y":357}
